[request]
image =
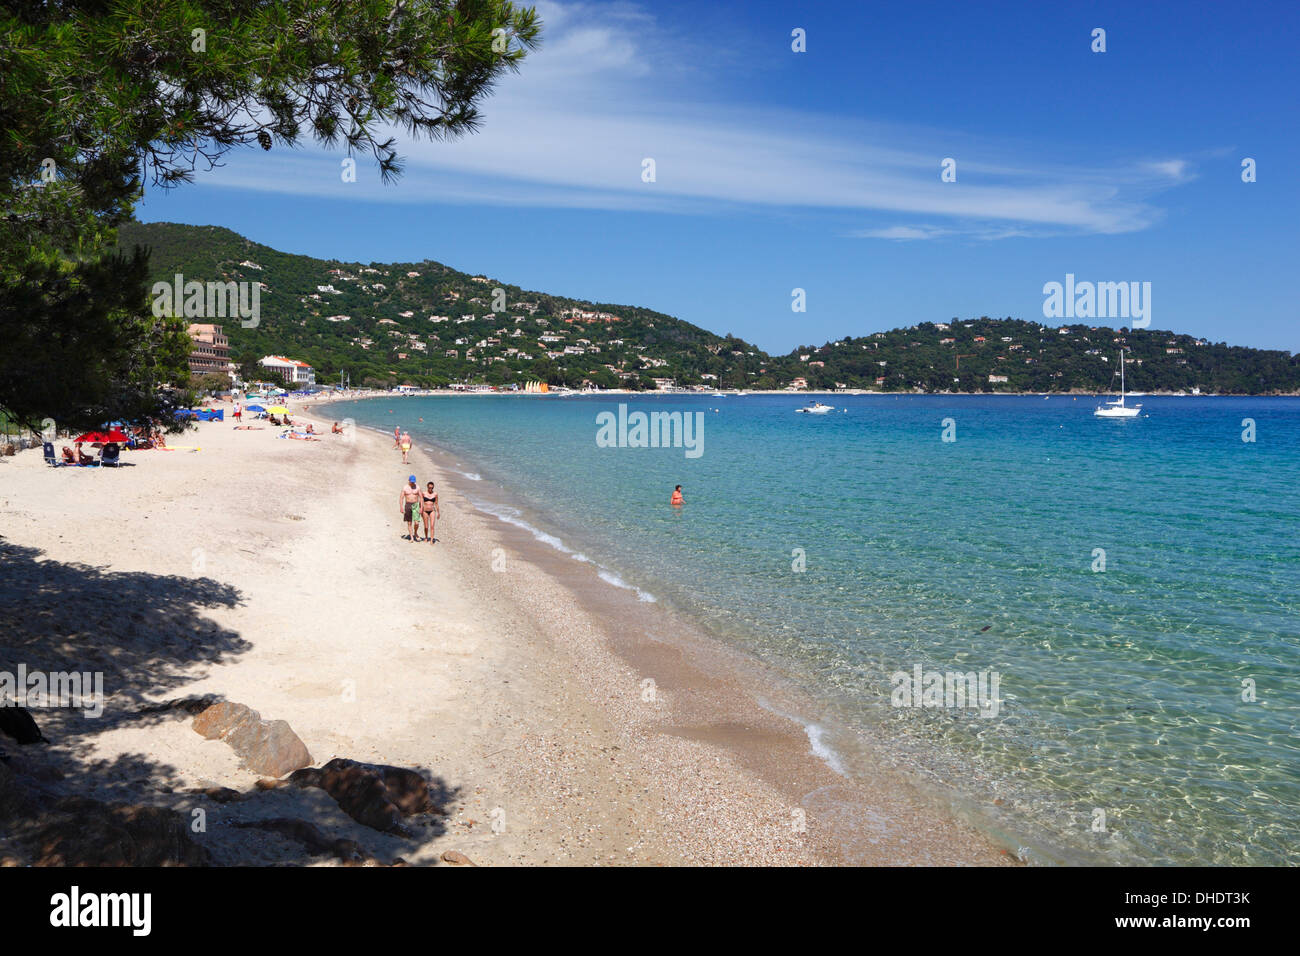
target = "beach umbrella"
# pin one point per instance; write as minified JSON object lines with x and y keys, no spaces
{"x":278,"y":410}
{"x":254,"y":408}
{"x":102,"y":437}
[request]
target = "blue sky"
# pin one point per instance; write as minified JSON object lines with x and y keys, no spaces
{"x":821,"y":170}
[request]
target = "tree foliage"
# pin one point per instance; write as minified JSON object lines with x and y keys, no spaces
{"x":99,"y":97}
{"x":95,"y":356}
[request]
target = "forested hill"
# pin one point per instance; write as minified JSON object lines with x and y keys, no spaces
{"x":1011,"y":355}
{"x":423,"y":323}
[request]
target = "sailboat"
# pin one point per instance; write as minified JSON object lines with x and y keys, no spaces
{"x":1117,"y":408}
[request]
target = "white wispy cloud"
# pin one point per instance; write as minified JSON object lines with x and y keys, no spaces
{"x":903,"y":233}
{"x":612,"y":86}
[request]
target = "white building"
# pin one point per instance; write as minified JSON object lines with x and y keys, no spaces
{"x":291,"y":371}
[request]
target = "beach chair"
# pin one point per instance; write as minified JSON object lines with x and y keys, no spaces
{"x":110,"y":455}
{"x":50,"y":457}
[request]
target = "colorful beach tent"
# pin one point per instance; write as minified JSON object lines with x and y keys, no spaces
{"x":202,"y":415}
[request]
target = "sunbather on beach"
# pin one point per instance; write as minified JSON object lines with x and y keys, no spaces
{"x":407,"y":501}
{"x":68,"y":456}
{"x":429,"y":510}
{"x":336,"y":430}
{"x":82,"y":457}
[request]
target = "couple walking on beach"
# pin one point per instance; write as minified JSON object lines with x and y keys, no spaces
{"x":411,"y":498}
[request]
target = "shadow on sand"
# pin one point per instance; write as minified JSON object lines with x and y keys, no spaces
{"x":147,"y":636}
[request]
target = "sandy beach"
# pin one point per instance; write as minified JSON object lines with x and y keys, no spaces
{"x":552,"y":727}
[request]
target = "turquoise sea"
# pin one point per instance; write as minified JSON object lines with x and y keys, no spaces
{"x":1125,"y":693}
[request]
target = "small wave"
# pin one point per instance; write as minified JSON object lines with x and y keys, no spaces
{"x":609,"y":577}
{"x":511,"y":516}
{"x":816,"y":737}
{"x":816,"y":733}
{"x":471,"y":475}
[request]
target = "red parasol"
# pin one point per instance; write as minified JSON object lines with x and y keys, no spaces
{"x":100,"y":438}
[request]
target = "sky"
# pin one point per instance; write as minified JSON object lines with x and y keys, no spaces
{"x":820,"y":170}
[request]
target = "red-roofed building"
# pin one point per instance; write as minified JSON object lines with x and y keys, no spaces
{"x":291,"y":371}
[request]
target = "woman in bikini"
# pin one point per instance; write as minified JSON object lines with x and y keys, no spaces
{"x":429,"y":510}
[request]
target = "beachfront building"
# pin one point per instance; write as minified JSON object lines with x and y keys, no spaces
{"x":291,"y":371}
{"x":210,"y":352}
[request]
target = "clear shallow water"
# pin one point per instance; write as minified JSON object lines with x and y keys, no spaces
{"x":1121,"y":690}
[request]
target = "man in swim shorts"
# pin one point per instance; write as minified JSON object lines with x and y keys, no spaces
{"x":406,"y":446}
{"x":407,"y":501}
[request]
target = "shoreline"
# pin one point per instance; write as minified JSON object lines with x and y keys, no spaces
{"x":792,"y":393}
{"x":732,"y":700}
{"x":521,"y":692}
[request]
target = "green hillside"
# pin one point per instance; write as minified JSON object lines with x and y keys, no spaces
{"x":395,"y":323}
{"x":390,"y":324}
{"x":974,"y":355}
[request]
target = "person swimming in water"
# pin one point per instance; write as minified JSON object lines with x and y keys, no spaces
{"x":677,"y":499}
